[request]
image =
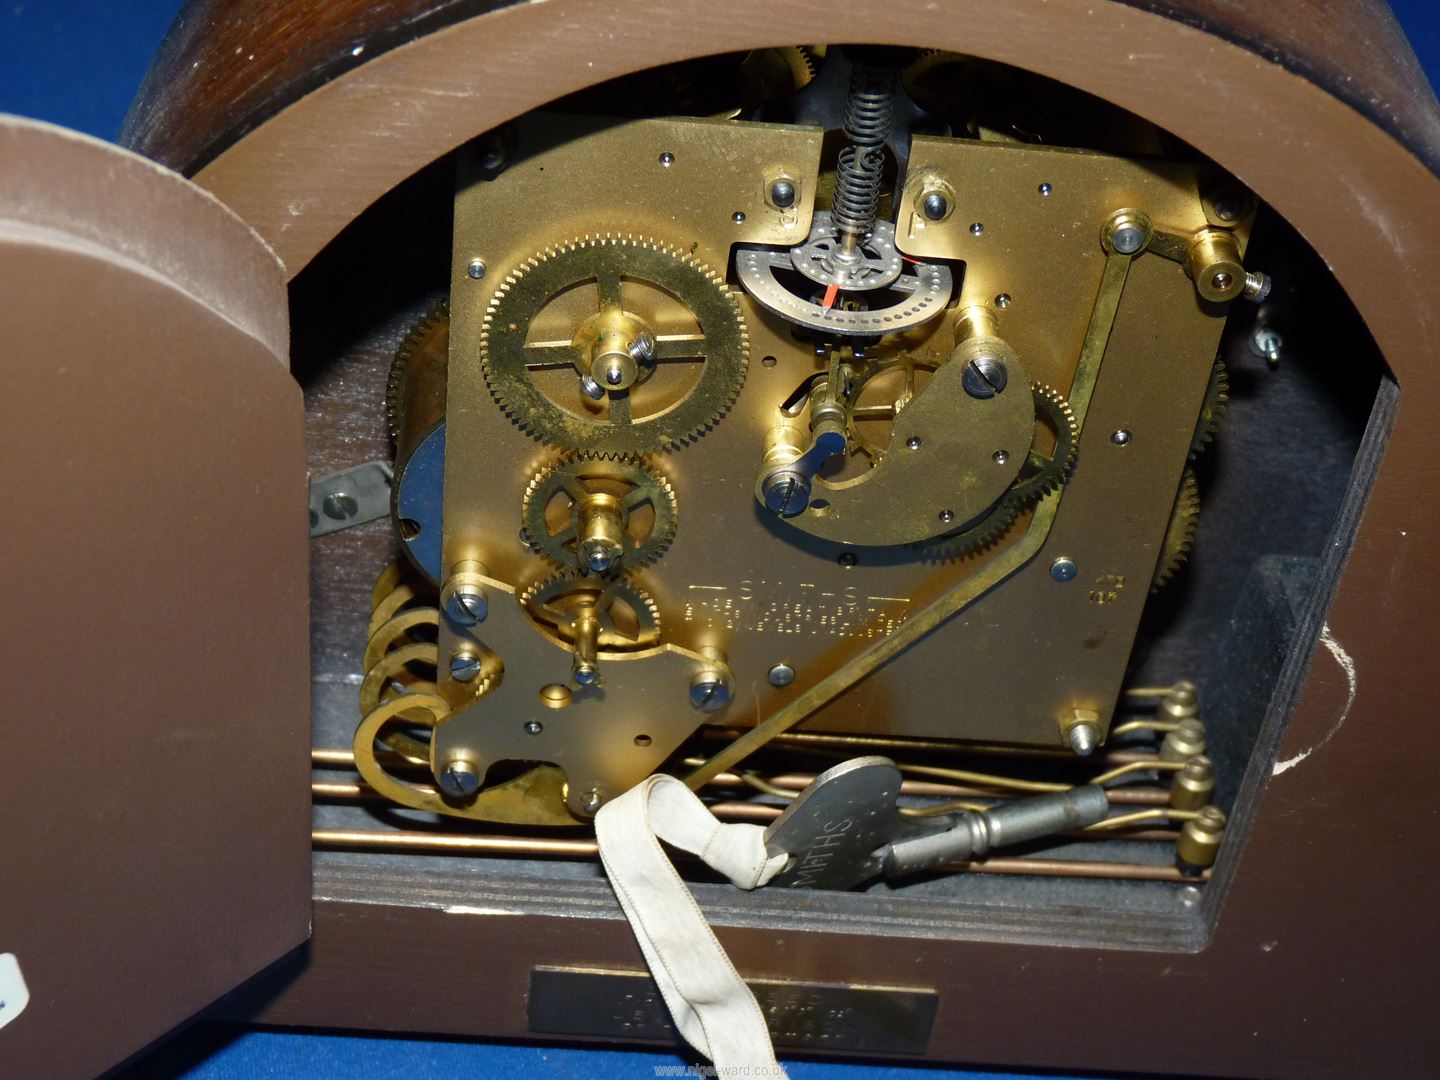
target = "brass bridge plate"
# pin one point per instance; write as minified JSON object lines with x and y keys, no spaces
{"x":1030,"y":650}
{"x":801,"y":1016}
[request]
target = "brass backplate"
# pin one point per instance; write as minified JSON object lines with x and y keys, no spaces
{"x":737,"y":580}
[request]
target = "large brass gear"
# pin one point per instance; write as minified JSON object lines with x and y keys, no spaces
{"x":629,"y":619}
{"x":427,"y":343}
{"x":1212,"y":409}
{"x":622,"y":510}
{"x":638,"y":418}
{"x":1180,"y":533}
{"x":1041,"y":474}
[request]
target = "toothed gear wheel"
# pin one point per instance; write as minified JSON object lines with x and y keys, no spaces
{"x":1042,"y":474}
{"x":646,"y":417}
{"x":994,"y":524}
{"x":1217,"y":395}
{"x":642,"y":500}
{"x":766,"y":74}
{"x":430,"y":334}
{"x":1180,"y":533}
{"x":1039,"y":476}
{"x":629,"y":619}
{"x":799,"y":60}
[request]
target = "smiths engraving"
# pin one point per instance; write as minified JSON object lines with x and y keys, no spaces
{"x":627,"y":1005}
{"x":812,"y":865}
{"x":775,"y":607}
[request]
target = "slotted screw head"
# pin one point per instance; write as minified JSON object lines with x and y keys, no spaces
{"x":460,"y":778}
{"x":984,"y":377}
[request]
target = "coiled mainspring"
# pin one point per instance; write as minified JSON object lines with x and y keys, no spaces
{"x":859,"y":173}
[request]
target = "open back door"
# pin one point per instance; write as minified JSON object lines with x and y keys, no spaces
{"x":154,"y":804}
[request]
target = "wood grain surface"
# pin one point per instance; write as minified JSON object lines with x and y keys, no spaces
{"x":228,"y":65}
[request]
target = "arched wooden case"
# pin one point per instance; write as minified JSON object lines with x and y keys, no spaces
{"x":1310,"y":955}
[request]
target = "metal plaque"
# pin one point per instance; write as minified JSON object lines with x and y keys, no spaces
{"x":805,"y":1016}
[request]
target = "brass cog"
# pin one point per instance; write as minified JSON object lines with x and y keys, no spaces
{"x":768,"y":74}
{"x":644,"y":414}
{"x":811,"y":57}
{"x":1212,"y":409}
{"x":629,"y":619}
{"x":1040,"y":475}
{"x":427,"y":342}
{"x":1180,"y":533}
{"x":613,"y":514}
{"x":994,"y":524}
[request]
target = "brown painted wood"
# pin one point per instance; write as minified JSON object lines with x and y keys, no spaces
{"x":1319,"y":960}
{"x":155,"y":841}
{"x":228,"y":65}
{"x":1355,"y":49}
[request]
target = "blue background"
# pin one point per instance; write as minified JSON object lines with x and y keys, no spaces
{"x":78,"y":63}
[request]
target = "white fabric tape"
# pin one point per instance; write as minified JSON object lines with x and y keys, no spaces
{"x":712,"y":1007}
